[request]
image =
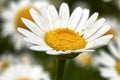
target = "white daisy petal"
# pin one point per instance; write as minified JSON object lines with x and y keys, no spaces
{"x":83,"y":51}
{"x":39,"y":20}
{"x":106,"y":60}
{"x":95,"y":27}
{"x":41,"y":48}
{"x":107,"y":73}
{"x":33,"y":27}
{"x":84,"y":18}
{"x":51,"y":21}
{"x":27,"y":33}
{"x":47,"y":15}
{"x":17,"y":9}
{"x":113,"y":50}
{"x":35,"y":41}
{"x":53,"y":14}
{"x":64,"y":15}
{"x":90,"y":22}
{"x":26,"y":72}
{"x":75,"y":18}
{"x":100,"y":32}
{"x":54,"y":52}
{"x":99,"y":42}
{"x":108,"y":57}
{"x":115,"y":77}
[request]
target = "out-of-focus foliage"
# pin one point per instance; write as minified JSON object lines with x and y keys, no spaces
{"x":72,"y":71}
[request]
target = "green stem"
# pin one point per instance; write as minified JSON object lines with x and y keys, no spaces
{"x":60,"y":68}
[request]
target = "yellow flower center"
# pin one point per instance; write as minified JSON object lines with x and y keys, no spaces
{"x":118,"y":66}
{"x":23,"y":78}
{"x":85,"y":59}
{"x":113,"y":32}
{"x":64,"y":39}
{"x":4,"y":64}
{"x":23,"y":12}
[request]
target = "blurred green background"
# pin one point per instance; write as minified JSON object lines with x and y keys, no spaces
{"x":72,"y":71}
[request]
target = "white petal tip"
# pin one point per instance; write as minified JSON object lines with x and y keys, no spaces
{"x":110,"y":36}
{"x":22,"y":18}
{"x":33,"y":48}
{"x":64,"y":3}
{"x":103,"y":19}
{"x":86,"y":9}
{"x":19,"y":29}
{"x":31,"y":9}
{"x":96,"y":13}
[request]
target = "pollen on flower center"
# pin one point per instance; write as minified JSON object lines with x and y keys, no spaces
{"x":23,"y":12}
{"x":64,"y":39}
{"x":23,"y":78}
{"x":118,"y":66}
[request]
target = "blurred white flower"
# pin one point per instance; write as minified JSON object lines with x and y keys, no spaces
{"x":85,"y":60}
{"x":25,"y":72}
{"x":26,"y":58}
{"x":63,"y":34}
{"x":12,"y":18}
{"x":115,"y":26}
{"x":110,"y":62}
{"x":6,"y":61}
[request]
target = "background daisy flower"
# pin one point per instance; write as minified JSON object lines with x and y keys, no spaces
{"x":6,"y":61}
{"x":110,"y":63}
{"x":12,"y":18}
{"x":114,"y":26}
{"x":85,"y":60}
{"x":63,"y":34}
{"x":25,"y":72}
{"x":26,"y":58}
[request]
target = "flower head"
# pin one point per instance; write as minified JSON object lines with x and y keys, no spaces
{"x":26,"y":58}
{"x":59,"y":33}
{"x":114,"y":26}
{"x":6,"y":61}
{"x":110,"y":62}
{"x":84,"y":59}
{"x":25,"y":72}
{"x":12,"y":18}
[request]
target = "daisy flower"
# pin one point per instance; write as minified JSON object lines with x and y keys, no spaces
{"x":59,"y":33}
{"x":6,"y":61}
{"x":26,"y":58}
{"x":115,"y":27}
{"x":85,"y":60}
{"x":12,"y":15}
{"x":110,"y":63}
{"x":25,"y":72}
